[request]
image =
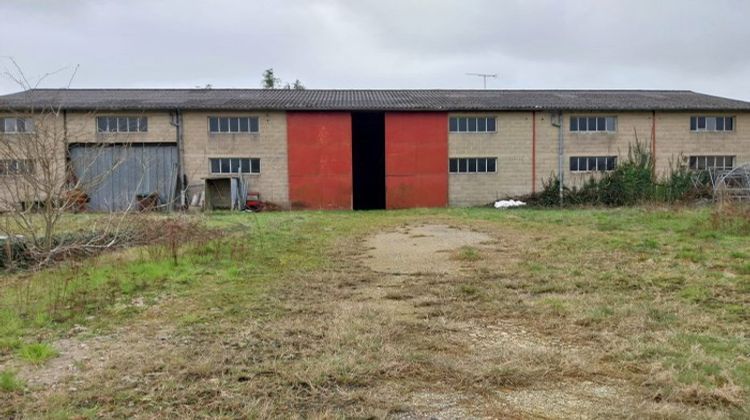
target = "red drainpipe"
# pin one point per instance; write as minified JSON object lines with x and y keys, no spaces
{"x":653,"y":142}
{"x":533,"y":152}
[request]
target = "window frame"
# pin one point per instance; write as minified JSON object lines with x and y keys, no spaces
{"x":463,"y":123}
{"x":20,"y":167}
{"x":586,"y":121}
{"x":140,"y":123}
{"x":726,"y":121}
{"x":704,"y":159}
{"x":26,"y":123}
{"x":599,"y":161}
{"x":253,"y":164}
{"x":464,"y":164}
{"x":251,"y":122}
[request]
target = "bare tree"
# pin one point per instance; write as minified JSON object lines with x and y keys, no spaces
{"x":38,"y":185}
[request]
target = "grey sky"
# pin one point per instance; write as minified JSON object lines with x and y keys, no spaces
{"x":383,"y":43}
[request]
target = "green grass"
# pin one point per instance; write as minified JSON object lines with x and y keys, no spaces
{"x":36,"y":353}
{"x":660,"y":292}
{"x":9,"y":382}
{"x":744,"y":268}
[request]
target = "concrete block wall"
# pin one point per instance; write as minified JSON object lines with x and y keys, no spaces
{"x":629,"y":126}
{"x":269,"y":144}
{"x":675,"y":143}
{"x":46,"y":142}
{"x":546,"y":148}
{"x":82,"y":128}
{"x":510,"y":144}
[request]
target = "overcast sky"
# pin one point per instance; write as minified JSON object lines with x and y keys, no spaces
{"x":594,"y":44}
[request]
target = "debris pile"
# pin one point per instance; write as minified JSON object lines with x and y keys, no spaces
{"x":505,"y":204}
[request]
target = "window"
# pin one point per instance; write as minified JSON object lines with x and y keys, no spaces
{"x":15,"y":167}
{"x":235,"y":166}
{"x":472,"y":165}
{"x":701,"y":123}
{"x":121,"y":124}
{"x":701,"y":163}
{"x":592,"y":163}
{"x":471,"y":124}
{"x":233,"y":124}
{"x":593,"y":124}
{"x":16,"y":125}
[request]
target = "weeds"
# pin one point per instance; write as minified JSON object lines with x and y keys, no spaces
{"x":177,"y":233}
{"x":71,"y":292}
{"x":467,"y":253}
{"x":9,"y":382}
{"x":562,"y":300}
{"x":731,"y":217}
{"x":36,"y":353}
{"x":632,"y":182}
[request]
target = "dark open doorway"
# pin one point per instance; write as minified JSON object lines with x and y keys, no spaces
{"x":368,"y":160}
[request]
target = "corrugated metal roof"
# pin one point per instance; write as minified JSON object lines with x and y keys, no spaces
{"x":381,"y":100}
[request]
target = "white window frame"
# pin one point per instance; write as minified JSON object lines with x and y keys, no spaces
{"x":476,"y":165}
{"x":476,"y":119}
{"x":231,"y":172}
{"x":705,"y":158}
{"x":128,"y":119}
{"x":580,"y":159}
{"x":607,"y":119}
{"x":249,"y":119}
{"x":711,"y":121}
{"x":28,"y":122}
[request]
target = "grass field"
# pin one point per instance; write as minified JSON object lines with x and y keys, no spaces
{"x":406,"y":314}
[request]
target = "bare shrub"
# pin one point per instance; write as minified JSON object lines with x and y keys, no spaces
{"x":180,"y":232}
{"x":731,"y":216}
{"x":175,"y":234}
{"x":726,"y":395}
{"x":39,"y":187}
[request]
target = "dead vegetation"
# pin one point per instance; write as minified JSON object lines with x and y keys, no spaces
{"x":105,"y":233}
{"x":435,"y":316}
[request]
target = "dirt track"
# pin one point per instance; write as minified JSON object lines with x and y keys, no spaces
{"x":418,"y":255}
{"x":394,"y":331}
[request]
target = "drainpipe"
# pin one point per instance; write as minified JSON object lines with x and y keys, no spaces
{"x":533,"y":152}
{"x":66,"y":146}
{"x":177,"y":123}
{"x":65,"y":125}
{"x":560,"y":152}
{"x":65,"y":129}
{"x":653,"y":144}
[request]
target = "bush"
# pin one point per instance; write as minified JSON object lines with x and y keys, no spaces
{"x":632,"y":182}
{"x":549,"y":195}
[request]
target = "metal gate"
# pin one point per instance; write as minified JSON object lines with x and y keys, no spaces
{"x":115,"y":175}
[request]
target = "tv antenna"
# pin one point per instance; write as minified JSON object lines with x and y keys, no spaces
{"x":484,"y":77}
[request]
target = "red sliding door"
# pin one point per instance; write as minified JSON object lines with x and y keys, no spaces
{"x":416,"y":159}
{"x":320,"y":160}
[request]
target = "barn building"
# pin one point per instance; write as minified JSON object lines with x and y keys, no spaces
{"x":371,"y":149}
